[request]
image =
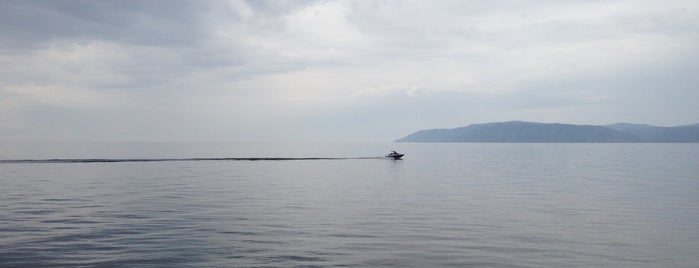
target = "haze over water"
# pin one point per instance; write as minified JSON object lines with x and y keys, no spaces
{"x":481,"y":205}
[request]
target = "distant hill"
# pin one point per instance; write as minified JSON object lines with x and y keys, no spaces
{"x":518,"y":131}
{"x":647,"y":133}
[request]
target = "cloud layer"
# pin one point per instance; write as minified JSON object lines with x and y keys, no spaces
{"x":338,"y":70}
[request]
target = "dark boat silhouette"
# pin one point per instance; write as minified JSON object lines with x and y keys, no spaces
{"x":395,"y":155}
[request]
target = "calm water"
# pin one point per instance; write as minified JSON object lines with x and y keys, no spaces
{"x":476,"y":205}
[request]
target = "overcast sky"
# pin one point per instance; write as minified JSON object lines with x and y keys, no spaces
{"x":338,"y":70}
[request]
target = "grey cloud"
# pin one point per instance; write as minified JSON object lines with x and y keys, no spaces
{"x":170,"y":23}
{"x":347,"y":69}
{"x":155,"y":22}
{"x":158,"y":41}
{"x":274,"y":8}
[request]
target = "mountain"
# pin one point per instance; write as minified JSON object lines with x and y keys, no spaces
{"x":647,"y":133}
{"x":518,"y":131}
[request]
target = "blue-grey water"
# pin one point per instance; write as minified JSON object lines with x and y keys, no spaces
{"x":473,"y":205}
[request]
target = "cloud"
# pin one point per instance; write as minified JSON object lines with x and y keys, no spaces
{"x":265,"y":69}
{"x":165,"y":23}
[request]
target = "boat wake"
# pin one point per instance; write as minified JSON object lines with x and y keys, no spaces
{"x":121,"y":160}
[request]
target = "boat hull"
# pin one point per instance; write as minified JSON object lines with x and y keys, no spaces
{"x":395,"y":156}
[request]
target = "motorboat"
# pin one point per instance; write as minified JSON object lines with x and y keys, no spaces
{"x":395,"y":155}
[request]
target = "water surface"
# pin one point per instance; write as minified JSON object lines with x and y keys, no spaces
{"x":480,"y":205}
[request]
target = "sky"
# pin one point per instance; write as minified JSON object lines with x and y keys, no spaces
{"x":338,"y":70}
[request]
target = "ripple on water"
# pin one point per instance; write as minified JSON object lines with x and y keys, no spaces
{"x":484,"y":205}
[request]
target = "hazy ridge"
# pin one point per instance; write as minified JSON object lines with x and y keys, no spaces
{"x":518,"y":131}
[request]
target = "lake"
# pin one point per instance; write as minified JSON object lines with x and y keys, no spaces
{"x":468,"y":204}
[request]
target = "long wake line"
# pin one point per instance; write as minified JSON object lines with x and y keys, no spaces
{"x":118,"y":160}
